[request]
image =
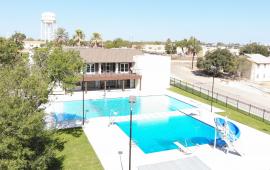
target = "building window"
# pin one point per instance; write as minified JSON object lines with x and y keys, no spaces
{"x":264,"y":65}
{"x":257,"y":76}
{"x":90,"y":68}
{"x":107,"y":67}
{"x":124,"y":67}
{"x":258,"y":66}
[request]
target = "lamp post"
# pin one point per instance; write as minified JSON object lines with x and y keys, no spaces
{"x":132,"y":100}
{"x":213,"y":69}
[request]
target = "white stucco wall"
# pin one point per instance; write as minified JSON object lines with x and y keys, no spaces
{"x":155,"y":71}
{"x":260,"y":72}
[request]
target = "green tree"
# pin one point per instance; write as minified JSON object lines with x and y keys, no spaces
{"x":170,"y":47}
{"x":255,"y":48}
{"x":78,"y":37}
{"x":117,"y":43}
{"x":194,"y":47}
{"x":96,"y":40}
{"x":18,"y":38}
{"x":222,"y":59}
{"x":60,"y":67}
{"x":61,"y":37}
{"x":25,"y":143}
{"x":9,"y":52}
{"x":182,"y":44}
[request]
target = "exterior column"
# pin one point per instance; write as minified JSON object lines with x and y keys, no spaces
{"x":116,"y":68}
{"x":99,"y":68}
{"x":123,"y":85}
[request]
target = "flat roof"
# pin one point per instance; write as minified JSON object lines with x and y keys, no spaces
{"x":103,"y":55}
{"x":258,"y":58}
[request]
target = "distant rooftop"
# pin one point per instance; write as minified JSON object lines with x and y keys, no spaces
{"x":258,"y":58}
{"x":102,"y":55}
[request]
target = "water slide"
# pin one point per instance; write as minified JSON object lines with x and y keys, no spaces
{"x":226,"y":134}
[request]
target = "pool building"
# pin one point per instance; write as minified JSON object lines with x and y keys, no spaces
{"x":108,"y":69}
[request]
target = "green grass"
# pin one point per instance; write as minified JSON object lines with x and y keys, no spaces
{"x":77,"y":152}
{"x":230,"y":112}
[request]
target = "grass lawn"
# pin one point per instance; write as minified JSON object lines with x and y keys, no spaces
{"x":77,"y":152}
{"x":229,"y":112}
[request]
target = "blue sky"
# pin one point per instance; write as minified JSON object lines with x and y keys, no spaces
{"x":209,"y":20}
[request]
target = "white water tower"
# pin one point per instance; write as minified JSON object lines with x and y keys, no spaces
{"x":48,"y":26}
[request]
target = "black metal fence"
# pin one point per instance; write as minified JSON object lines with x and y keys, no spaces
{"x":229,"y":102}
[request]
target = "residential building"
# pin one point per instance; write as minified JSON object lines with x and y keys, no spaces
{"x":258,"y":68}
{"x":108,"y":69}
{"x":154,"y":49}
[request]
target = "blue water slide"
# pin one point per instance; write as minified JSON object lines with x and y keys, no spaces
{"x":233,"y":131}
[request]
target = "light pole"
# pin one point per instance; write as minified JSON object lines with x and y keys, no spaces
{"x":213,"y":69}
{"x":120,"y":153}
{"x":132,"y":100}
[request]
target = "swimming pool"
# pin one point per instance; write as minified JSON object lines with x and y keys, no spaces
{"x":72,"y":110}
{"x":160,"y":134}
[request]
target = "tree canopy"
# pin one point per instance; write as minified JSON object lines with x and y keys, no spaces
{"x":255,"y":48}
{"x":60,"y":67}
{"x":117,"y":43}
{"x":221,"y":59}
{"x":25,"y":142}
{"x":96,"y":40}
{"x":61,"y":37}
{"x":78,"y":38}
{"x":9,"y":52}
{"x":170,"y":47}
{"x":18,"y":38}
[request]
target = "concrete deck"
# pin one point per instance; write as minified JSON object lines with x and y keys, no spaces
{"x":107,"y":141}
{"x":191,"y":163}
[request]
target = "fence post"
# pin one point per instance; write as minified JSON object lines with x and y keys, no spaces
{"x":237,"y":104}
{"x":263,"y":114}
{"x":192,"y":88}
{"x":226,"y":101}
{"x":200,"y":91}
{"x":186,"y":86}
{"x":217,"y":97}
{"x":207,"y":94}
{"x":249,"y":109}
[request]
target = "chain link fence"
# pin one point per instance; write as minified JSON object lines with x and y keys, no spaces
{"x":229,"y":102}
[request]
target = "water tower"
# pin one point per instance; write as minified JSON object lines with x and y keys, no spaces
{"x":48,"y":26}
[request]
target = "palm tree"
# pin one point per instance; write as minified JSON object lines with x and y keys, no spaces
{"x":61,"y":36}
{"x":96,"y":40}
{"x":182,"y":44}
{"x":194,"y":47}
{"x":78,"y":37}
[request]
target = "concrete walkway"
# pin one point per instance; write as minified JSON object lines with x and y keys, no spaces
{"x":107,"y":141}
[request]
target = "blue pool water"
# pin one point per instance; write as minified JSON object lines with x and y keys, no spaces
{"x":105,"y":107}
{"x":160,"y":134}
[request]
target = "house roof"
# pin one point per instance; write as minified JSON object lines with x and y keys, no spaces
{"x":102,"y":55}
{"x":258,"y":58}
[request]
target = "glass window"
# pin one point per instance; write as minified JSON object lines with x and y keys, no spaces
{"x":124,"y":67}
{"x":90,"y":68}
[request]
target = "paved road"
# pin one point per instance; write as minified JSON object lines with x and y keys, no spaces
{"x":241,"y":90}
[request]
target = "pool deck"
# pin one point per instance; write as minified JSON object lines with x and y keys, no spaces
{"x":107,"y":140}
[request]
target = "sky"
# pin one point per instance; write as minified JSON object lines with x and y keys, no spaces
{"x":229,"y":21}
